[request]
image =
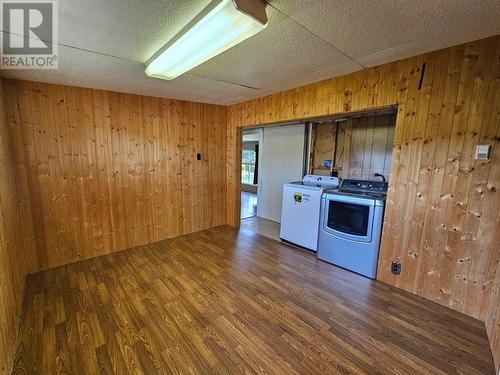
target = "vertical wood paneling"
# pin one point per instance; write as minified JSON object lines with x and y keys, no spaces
{"x":364,"y":147}
{"x":442,"y":215}
{"x":368,"y":142}
{"x":104,"y":171}
{"x":15,"y":262}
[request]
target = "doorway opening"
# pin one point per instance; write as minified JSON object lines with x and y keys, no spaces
{"x":271,"y":156}
{"x":249,"y":172}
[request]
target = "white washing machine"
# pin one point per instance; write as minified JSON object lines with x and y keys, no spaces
{"x":301,"y":208}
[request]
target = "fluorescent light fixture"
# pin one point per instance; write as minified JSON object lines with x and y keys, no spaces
{"x":218,"y":27}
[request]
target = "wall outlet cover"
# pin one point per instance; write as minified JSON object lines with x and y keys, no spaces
{"x":396,"y":267}
{"x":483,"y":152}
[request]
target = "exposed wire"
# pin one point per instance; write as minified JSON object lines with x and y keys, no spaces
{"x":314,"y":144}
{"x":343,"y":147}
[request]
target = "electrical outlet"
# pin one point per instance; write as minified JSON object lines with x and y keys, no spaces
{"x":483,"y":152}
{"x":396,"y":267}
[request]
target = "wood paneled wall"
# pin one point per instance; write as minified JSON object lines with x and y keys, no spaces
{"x":367,"y":147}
{"x":14,"y":261}
{"x":442,"y":216}
{"x":363,"y":146}
{"x":102,"y":171}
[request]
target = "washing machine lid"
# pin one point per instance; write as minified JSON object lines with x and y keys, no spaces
{"x":316,"y":182}
{"x":300,"y":185}
{"x":325,"y":182}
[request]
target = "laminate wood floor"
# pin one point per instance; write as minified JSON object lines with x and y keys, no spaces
{"x":223,"y":301}
{"x":261,"y":226}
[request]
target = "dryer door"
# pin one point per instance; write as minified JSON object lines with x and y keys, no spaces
{"x":348,"y":217}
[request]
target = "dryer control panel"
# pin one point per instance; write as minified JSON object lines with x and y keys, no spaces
{"x":363,"y":187}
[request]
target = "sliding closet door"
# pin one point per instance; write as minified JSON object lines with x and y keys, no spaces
{"x":282,"y":162}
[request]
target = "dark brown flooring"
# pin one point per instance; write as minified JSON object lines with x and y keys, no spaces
{"x":227,"y":302}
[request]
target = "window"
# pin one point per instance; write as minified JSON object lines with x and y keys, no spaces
{"x":249,"y":159}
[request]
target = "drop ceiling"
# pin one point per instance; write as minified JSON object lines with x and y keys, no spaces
{"x":104,"y":43}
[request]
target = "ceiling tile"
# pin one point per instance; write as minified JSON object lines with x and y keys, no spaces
{"x":363,"y":28}
{"x":126,"y":28}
